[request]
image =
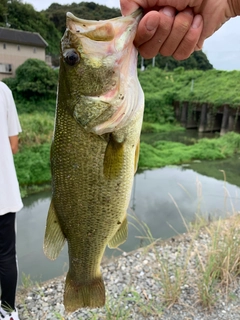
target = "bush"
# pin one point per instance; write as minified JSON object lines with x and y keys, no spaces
{"x":33,"y":165}
{"x":163,"y":153}
{"x":34,"y":80}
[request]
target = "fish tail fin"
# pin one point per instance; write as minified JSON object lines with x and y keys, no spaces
{"x":81,"y":295}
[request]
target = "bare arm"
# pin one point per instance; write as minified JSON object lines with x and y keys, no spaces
{"x":178,"y":27}
{"x":14,"y":143}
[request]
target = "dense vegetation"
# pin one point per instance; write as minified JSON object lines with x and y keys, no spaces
{"x":213,"y":87}
{"x":85,"y":10}
{"x":33,"y":165}
{"x":51,"y":24}
{"x":163,"y":153}
{"x":197,"y":60}
{"x":33,"y":161}
{"x":34,"y":89}
{"x":35,"y":81}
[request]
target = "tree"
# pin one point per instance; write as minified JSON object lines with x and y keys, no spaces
{"x":198,"y":60}
{"x":202,"y":62}
{"x":34,"y":80}
{"x":85,"y":10}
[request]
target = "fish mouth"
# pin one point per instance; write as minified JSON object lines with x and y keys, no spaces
{"x":137,"y":15}
{"x":103,"y":30}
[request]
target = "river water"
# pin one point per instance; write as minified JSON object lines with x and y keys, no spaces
{"x":159,"y":198}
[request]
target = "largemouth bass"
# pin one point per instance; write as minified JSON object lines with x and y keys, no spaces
{"x":95,"y":150}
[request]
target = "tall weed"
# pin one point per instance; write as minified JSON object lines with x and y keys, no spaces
{"x":37,"y":129}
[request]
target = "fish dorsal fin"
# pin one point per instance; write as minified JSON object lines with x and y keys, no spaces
{"x":113,"y":159}
{"x":54,"y":238}
{"x":120,"y":236}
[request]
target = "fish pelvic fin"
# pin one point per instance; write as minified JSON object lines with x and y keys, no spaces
{"x":113,"y":159}
{"x":54,"y":238}
{"x":83,"y":295}
{"x":137,"y":151}
{"x":120,"y":236}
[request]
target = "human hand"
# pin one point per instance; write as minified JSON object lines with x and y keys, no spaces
{"x":177,"y":28}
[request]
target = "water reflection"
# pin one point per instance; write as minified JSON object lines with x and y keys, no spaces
{"x":187,"y":137}
{"x":157,"y":198}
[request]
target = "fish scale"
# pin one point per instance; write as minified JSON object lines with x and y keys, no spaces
{"x":92,"y":173}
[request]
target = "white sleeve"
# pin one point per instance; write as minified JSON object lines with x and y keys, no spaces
{"x":14,"y":126}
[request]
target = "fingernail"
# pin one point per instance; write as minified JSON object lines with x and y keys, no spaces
{"x":169,"y":11}
{"x":197,"y":21}
{"x":151,"y":24}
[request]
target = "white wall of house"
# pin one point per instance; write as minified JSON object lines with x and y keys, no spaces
{"x":13,"y":55}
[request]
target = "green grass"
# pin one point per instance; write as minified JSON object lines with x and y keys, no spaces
{"x":33,"y":160}
{"x":163,"y":153}
{"x":37,"y":129}
{"x":222,"y":265}
{"x":33,"y":165}
{"x":214,"y":87}
{"x":148,"y":127}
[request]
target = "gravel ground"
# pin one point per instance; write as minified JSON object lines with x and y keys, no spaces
{"x":135,"y":290}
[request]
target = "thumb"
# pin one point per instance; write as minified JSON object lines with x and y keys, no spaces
{"x":128,"y":6}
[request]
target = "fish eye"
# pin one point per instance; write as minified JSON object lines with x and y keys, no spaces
{"x":71,"y":57}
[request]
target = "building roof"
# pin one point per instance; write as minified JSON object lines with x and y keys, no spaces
{"x":22,"y":37}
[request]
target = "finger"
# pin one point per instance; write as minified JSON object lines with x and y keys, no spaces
{"x":209,"y":27}
{"x":199,"y":45}
{"x":181,"y":25}
{"x":189,"y":42}
{"x":162,"y":22}
{"x":128,"y":6}
{"x":147,"y":27}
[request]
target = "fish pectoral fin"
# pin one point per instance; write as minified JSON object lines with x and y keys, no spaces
{"x":137,"y":151}
{"x":113,"y":159}
{"x":120,"y":236}
{"x":54,"y":238}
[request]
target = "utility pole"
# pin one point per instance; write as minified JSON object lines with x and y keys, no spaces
{"x":192,"y":85}
{"x":142,"y":64}
{"x":153,"y":61}
{"x":6,"y":15}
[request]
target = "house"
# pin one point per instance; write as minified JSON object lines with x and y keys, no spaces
{"x":16,"y":47}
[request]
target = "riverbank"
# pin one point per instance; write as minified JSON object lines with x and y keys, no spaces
{"x":168,"y":280}
{"x":33,"y":165}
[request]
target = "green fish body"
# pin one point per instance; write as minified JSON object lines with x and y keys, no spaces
{"x":94,"y":151}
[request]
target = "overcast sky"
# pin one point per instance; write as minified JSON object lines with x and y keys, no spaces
{"x":222,"y":49}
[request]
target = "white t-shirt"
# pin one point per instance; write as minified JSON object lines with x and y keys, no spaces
{"x":10,"y":198}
